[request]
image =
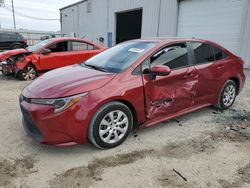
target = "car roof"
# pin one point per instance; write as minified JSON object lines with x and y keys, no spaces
{"x":67,"y":38}
{"x":173,"y":39}
{"x":166,"y":40}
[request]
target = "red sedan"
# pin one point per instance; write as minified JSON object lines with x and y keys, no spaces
{"x":49,"y":54}
{"x":136,"y":83}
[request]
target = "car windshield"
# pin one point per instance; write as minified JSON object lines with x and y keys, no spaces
{"x":38,"y":45}
{"x":119,"y":57}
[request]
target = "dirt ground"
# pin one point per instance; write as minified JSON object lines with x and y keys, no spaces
{"x":206,"y":148}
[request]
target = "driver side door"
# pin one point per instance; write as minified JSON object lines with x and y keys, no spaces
{"x":167,"y":95}
{"x":58,"y":57}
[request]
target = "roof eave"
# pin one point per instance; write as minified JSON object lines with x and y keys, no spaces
{"x":78,"y":2}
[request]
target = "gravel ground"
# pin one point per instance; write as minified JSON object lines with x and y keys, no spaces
{"x":207,"y":148}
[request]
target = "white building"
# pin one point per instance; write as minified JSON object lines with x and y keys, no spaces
{"x":224,"y":21}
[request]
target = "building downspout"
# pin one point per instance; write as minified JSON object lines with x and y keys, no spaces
{"x":61,"y":23}
{"x":159,"y":17}
{"x":78,"y":21}
{"x":244,"y":36}
{"x":107,"y":22}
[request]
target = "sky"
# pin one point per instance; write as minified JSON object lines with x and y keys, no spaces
{"x":46,"y":9}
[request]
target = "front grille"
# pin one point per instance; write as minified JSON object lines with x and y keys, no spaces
{"x":30,"y":126}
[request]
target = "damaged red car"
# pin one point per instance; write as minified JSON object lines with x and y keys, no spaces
{"x":137,"y":83}
{"x":27,"y":64}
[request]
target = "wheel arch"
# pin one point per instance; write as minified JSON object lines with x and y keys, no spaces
{"x":236,"y":81}
{"x":26,"y":64}
{"x":125,"y":102}
{"x":21,"y":68}
{"x":132,"y":109}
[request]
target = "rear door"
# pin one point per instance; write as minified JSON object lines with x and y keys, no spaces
{"x":209,"y":67}
{"x":81,"y":51}
{"x":60,"y":56}
{"x":166,"y":95}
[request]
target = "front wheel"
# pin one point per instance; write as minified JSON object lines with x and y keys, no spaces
{"x":110,"y":125}
{"x":28,"y":73}
{"x":228,"y":95}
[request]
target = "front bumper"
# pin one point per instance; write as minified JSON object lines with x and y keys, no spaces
{"x":30,"y":127}
{"x":64,"y":128}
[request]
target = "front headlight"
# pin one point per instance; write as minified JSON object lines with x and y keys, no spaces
{"x":60,"y":104}
{"x":4,"y":62}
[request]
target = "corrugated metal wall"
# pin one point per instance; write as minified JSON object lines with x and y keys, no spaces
{"x":69,"y":20}
{"x":158,"y":19}
{"x":93,"y":25}
{"x":244,"y":43}
{"x":90,"y":25}
{"x":150,"y":11}
{"x":168,"y":18}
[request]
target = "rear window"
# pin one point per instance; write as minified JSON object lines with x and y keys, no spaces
{"x":203,"y":52}
{"x":219,"y":54}
{"x":81,"y":46}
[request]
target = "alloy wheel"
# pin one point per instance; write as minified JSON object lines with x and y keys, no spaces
{"x":113,"y":126}
{"x":229,"y":95}
{"x":29,"y":74}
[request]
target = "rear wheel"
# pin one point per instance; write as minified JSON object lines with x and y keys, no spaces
{"x":228,"y":95}
{"x":110,"y":125}
{"x":28,"y":73}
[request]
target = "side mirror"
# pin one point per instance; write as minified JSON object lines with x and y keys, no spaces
{"x":46,"y":51}
{"x":160,"y":70}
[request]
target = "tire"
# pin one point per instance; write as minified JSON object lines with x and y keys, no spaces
{"x":227,"y":95}
{"x":105,"y":133}
{"x":28,"y":73}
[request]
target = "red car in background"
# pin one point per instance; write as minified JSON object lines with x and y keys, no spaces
{"x":136,"y":83}
{"x":27,"y":64}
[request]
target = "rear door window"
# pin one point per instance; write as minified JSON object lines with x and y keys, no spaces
{"x":203,"y":52}
{"x":81,"y":46}
{"x":219,"y":54}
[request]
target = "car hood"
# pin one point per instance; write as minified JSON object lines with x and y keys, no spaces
{"x":67,"y":81}
{"x":9,"y":53}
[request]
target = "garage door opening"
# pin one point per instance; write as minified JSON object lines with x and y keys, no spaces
{"x":128,"y":25}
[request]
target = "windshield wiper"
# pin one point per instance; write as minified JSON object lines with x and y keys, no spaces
{"x":95,"y":67}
